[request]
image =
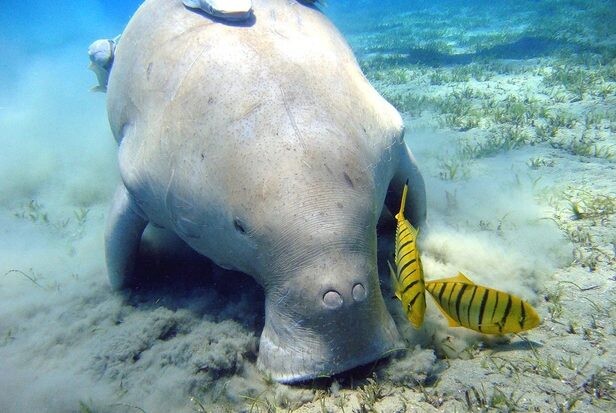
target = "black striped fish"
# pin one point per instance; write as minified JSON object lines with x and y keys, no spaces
{"x":408,"y":279}
{"x":479,"y":308}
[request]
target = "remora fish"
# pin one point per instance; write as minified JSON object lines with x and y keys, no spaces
{"x":408,"y":279}
{"x":480,"y":308}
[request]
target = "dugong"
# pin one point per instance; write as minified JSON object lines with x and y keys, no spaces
{"x":262,"y":145}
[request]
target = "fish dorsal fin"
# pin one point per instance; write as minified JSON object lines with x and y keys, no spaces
{"x":460,"y":278}
{"x":394,"y":280}
{"x":400,"y":214}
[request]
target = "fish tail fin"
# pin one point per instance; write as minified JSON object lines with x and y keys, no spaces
{"x":460,"y":278}
{"x":400,"y":214}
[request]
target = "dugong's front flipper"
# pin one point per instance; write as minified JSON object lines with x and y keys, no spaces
{"x":407,"y":169}
{"x":125,"y":226}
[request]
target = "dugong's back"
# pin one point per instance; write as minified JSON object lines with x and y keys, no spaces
{"x":175,"y":66}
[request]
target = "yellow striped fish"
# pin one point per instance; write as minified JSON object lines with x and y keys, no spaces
{"x":408,"y":279}
{"x":482,"y":309}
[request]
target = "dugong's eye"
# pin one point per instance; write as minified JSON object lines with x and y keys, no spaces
{"x":239,"y":226}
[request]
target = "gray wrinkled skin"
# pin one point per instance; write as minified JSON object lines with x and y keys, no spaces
{"x":265,"y":149}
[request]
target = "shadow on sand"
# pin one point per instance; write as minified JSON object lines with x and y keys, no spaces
{"x":171,"y":275}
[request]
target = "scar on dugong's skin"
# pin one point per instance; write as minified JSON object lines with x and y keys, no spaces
{"x":263,"y":147}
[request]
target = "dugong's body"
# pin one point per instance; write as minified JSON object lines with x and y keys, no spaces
{"x":263,"y":146}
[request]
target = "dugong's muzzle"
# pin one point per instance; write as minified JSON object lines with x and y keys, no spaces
{"x":325,"y":319}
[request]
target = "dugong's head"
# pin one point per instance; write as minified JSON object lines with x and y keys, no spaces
{"x":310,"y":231}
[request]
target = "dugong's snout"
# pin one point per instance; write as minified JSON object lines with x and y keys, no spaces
{"x":323,"y":321}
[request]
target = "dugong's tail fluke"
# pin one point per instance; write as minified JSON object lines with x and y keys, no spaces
{"x":102,"y":53}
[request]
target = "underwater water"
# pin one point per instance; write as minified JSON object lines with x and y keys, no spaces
{"x":510,"y":111}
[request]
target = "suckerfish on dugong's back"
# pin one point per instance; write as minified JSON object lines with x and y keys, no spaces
{"x":232,"y":10}
{"x":262,"y":145}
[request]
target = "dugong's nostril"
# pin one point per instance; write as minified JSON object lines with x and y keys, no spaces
{"x":332,"y":299}
{"x":359,"y":292}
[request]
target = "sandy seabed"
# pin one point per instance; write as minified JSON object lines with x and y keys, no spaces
{"x":511,"y":113}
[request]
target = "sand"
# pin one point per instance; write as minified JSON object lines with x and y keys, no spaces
{"x":511,"y":113}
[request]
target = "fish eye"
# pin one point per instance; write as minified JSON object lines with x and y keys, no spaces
{"x":239,"y":226}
